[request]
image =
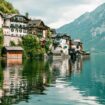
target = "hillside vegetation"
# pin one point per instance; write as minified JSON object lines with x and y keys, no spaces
{"x":7,"y":7}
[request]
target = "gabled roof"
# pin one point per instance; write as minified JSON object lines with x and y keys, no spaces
{"x":9,"y":16}
{"x":36,"y":23}
{"x":9,"y":48}
{"x":13,"y":15}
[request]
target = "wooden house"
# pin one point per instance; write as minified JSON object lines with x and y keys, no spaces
{"x":37,"y":27}
{"x":12,"y":52}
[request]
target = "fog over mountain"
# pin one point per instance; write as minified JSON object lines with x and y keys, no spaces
{"x":90,"y":28}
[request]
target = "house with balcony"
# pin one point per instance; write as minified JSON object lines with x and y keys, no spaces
{"x":14,"y":27}
{"x":38,"y":28}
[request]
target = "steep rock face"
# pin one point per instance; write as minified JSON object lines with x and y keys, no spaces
{"x":90,"y":28}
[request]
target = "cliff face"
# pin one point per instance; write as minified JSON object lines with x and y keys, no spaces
{"x":7,"y":7}
{"x":90,"y":28}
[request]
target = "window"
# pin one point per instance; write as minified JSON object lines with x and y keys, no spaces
{"x":24,"y":31}
{"x":16,"y":26}
{"x":16,"y":30}
{"x":23,"y":26}
{"x":12,"y":26}
{"x":12,"y":30}
{"x":20,"y":26}
{"x":16,"y":19}
{"x":20,"y":30}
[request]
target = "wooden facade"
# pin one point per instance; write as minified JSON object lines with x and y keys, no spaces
{"x":37,"y":27}
{"x":12,"y":52}
{"x":11,"y":62}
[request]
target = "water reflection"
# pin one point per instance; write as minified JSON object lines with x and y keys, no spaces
{"x":13,"y":86}
{"x":71,"y":82}
{"x":20,"y":79}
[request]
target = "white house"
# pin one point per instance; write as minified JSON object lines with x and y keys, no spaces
{"x":15,"y":26}
{"x":61,"y":45}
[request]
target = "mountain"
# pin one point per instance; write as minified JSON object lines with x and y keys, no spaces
{"x":90,"y":28}
{"x":7,"y":7}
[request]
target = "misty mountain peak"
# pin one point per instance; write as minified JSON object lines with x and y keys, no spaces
{"x":89,"y":27}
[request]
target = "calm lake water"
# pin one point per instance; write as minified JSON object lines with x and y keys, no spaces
{"x":57,"y":82}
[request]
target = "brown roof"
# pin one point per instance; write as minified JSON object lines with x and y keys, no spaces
{"x":9,"y":48}
{"x":37,"y":23}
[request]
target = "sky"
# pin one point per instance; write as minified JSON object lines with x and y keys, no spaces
{"x":55,"y":13}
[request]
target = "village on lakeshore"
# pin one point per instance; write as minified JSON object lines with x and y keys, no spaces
{"x":22,"y":36}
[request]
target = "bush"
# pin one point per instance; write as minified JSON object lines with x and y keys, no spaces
{"x":32,"y":46}
{"x":12,"y":43}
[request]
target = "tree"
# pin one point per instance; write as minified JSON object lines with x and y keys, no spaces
{"x":7,"y":7}
{"x":1,"y":36}
{"x":48,"y":44}
{"x":19,"y":43}
{"x":27,"y":14}
{"x":32,"y":45}
{"x":12,"y":43}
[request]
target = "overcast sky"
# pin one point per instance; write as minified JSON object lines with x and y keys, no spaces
{"x":55,"y":13}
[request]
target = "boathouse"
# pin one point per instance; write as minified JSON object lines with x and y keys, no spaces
{"x":12,"y":52}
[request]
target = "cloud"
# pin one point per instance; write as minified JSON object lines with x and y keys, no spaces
{"x":55,"y":12}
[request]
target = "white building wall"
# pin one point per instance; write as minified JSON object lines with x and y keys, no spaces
{"x":44,"y":33}
{"x":18,"y":33}
{"x":7,"y":22}
{"x":64,"y":44}
{"x":1,"y":21}
{"x":15,"y":35}
{"x":7,"y":40}
{"x":62,"y":47}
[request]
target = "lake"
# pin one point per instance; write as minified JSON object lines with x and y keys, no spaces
{"x":57,"y":82}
